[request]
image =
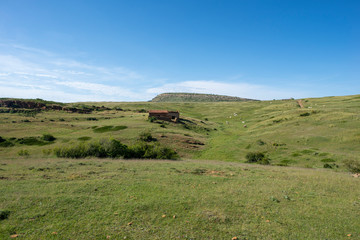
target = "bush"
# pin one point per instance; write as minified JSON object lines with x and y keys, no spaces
{"x":115,"y":149}
{"x":31,"y":141}
{"x":147,"y":137}
{"x":257,"y":157}
{"x":305,"y":114}
{"x":84,"y":138}
{"x":152,"y":119}
{"x":4,"y":214}
{"x":108,"y":129}
{"x":48,"y":137}
{"x":5,"y":143}
{"x":24,"y":153}
{"x":152,"y":151}
{"x":352,"y":165}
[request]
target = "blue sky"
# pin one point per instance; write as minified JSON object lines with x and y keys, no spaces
{"x":133,"y":50}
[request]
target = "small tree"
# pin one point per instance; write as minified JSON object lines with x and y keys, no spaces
{"x":257,"y":157}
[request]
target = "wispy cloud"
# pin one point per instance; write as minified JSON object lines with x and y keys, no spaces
{"x":34,"y":73}
{"x":27,"y":72}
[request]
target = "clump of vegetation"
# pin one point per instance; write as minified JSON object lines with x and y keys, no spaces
{"x":35,"y":141}
{"x":305,"y":114}
{"x":5,"y":143}
{"x":84,"y":138}
{"x":295,"y":154}
{"x":199,"y":171}
{"x":115,"y":149}
{"x":279,"y":144}
{"x":4,"y":214}
{"x":260,"y":142}
{"x":152,"y":119}
{"x":31,"y":141}
{"x":147,"y":137}
{"x":352,"y":165}
{"x":48,"y":137}
{"x":333,"y":165}
{"x":151,"y":151}
{"x":328,"y":160}
{"x":47,"y":152}
{"x":24,"y":153}
{"x":109,"y":129}
{"x":91,"y":119}
{"x":257,"y":157}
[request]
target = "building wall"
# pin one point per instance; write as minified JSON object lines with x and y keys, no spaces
{"x":171,"y":116}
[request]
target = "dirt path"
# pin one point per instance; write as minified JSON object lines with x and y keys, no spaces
{"x":300,"y":103}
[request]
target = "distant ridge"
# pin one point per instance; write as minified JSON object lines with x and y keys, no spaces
{"x":196,"y":97}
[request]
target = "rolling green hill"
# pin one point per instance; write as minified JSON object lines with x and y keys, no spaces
{"x":306,"y":191}
{"x":196,"y":97}
{"x":325,"y":132}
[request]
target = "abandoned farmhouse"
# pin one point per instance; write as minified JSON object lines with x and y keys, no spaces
{"x":165,"y":115}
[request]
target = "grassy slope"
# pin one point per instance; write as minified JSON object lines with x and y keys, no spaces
{"x":93,"y":199}
{"x":82,"y":199}
{"x":330,"y":132}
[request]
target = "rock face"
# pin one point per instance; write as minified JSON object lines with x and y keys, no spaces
{"x":196,"y":97}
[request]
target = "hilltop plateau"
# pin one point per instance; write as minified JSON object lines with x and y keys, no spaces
{"x":196,"y":97}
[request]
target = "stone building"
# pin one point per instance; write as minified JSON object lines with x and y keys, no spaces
{"x":171,"y":116}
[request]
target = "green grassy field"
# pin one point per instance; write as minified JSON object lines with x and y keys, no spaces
{"x":307,"y":191}
{"x":118,"y":199}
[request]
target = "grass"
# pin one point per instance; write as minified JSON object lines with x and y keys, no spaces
{"x":306,"y":193}
{"x":274,"y":127}
{"x":109,"y":129}
{"x":93,"y":199}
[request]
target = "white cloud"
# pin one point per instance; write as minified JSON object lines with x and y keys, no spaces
{"x":34,"y":73}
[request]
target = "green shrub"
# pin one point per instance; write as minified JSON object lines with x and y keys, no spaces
{"x":47,"y":152}
{"x":5,"y":143}
{"x":84,"y":138}
{"x":115,"y":149}
{"x":4,"y":214}
{"x":31,"y":141}
{"x":257,"y":157}
{"x":109,"y":129}
{"x":295,"y":154}
{"x":147,"y":137}
{"x":352,"y":165}
{"x":91,"y":119}
{"x":305,"y":114}
{"x":48,"y":137}
{"x":152,"y":119}
{"x":326,"y":165}
{"x":151,"y":151}
{"x":24,"y":153}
